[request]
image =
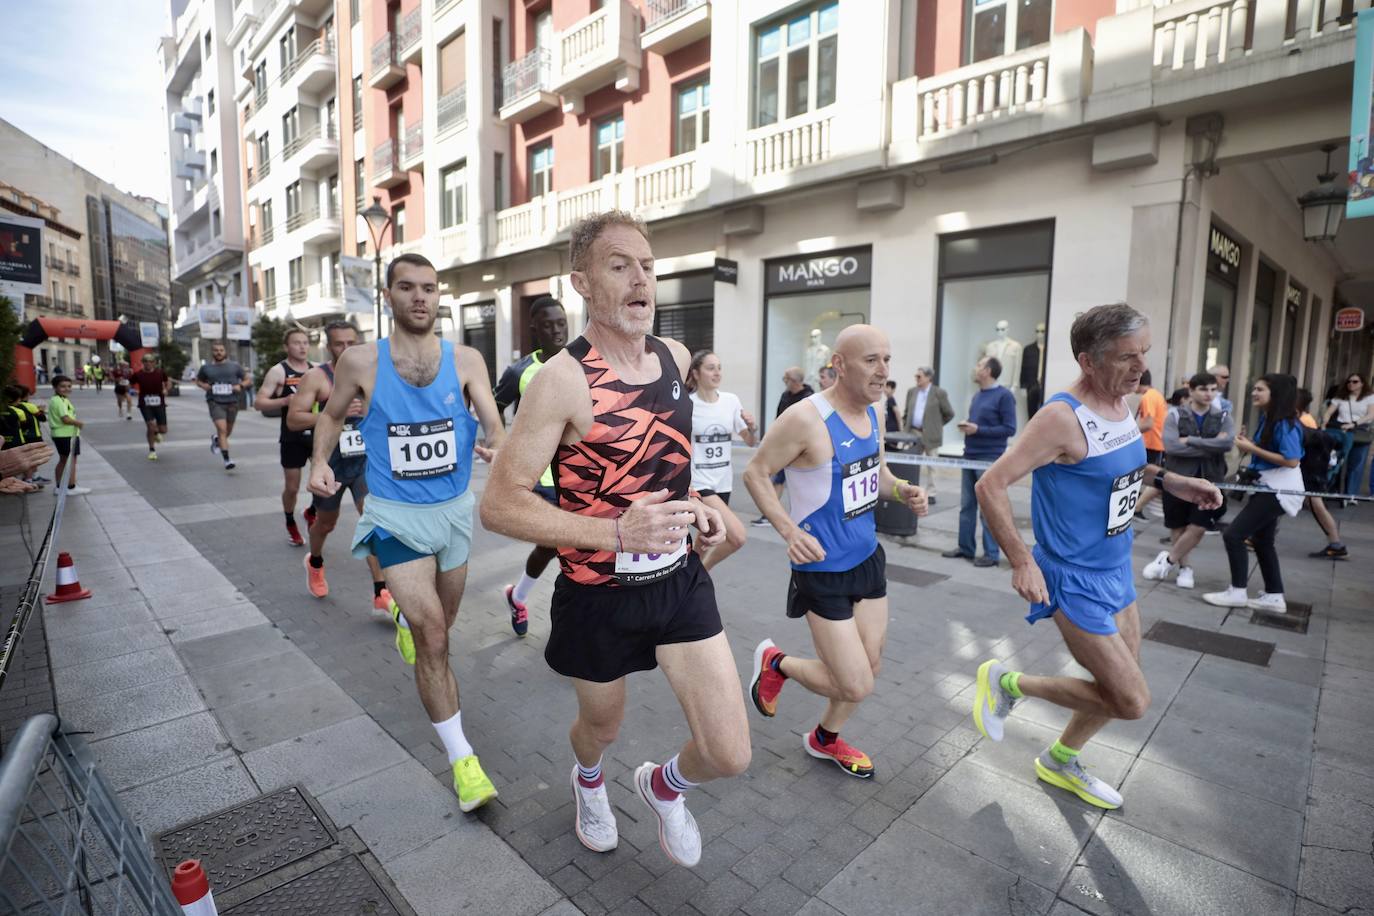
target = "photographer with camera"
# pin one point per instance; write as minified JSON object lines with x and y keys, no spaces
{"x":1275,"y":453}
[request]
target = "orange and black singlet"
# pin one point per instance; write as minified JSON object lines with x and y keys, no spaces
{"x":640,"y":441}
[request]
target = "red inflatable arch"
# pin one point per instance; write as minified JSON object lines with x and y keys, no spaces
{"x":41,"y":329}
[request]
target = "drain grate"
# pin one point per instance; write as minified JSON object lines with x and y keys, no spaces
{"x":908,"y":576}
{"x":250,"y":840}
{"x":1251,"y":651}
{"x":1294,"y":621}
{"x":344,"y":886}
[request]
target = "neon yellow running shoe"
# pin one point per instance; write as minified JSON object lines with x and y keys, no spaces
{"x":405,"y":640}
{"x":1072,"y":777}
{"x":472,"y":785}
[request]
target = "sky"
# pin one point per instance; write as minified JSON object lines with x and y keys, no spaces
{"x":83,"y":77}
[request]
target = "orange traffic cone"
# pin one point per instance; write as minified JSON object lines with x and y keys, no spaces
{"x":68,"y":586}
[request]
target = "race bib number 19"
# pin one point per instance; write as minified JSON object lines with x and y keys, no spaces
{"x":1125,"y":496}
{"x":859,"y":486}
{"x":421,"y":450}
{"x":351,"y":442}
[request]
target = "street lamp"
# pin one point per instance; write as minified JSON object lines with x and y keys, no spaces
{"x":1323,"y":206}
{"x":222,"y":281}
{"x":377,"y":220}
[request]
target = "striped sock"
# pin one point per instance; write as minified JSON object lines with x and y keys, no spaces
{"x":668,"y":781}
{"x":590,"y":777}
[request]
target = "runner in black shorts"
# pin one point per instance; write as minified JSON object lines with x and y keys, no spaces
{"x":831,"y":449}
{"x":222,"y":380}
{"x":632,"y":594}
{"x":124,"y":405}
{"x":153,"y":385}
{"x":282,"y":380}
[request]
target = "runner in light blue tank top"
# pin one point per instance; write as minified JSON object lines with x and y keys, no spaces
{"x":1088,"y":466}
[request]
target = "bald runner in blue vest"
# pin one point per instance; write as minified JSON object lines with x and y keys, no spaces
{"x":1088,"y":463}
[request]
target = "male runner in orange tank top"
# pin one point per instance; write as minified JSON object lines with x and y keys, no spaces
{"x":612,"y":414}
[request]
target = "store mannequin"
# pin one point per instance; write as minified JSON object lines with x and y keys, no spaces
{"x":1032,"y":376}
{"x":816,"y":356}
{"x":1007,"y":352}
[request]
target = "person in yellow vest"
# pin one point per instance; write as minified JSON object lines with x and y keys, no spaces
{"x":66,"y":431}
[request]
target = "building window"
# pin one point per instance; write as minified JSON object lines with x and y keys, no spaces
{"x":361,"y":249}
{"x":354,"y":11}
{"x":693,"y":126}
{"x":295,"y":278}
{"x":795,"y":64}
{"x":997,"y":27}
{"x":398,"y":225}
{"x":214,"y":162}
{"x":290,"y":126}
{"x":269,"y":284}
{"x":266,"y":215}
{"x":264,"y":151}
{"x":287,"y":44}
{"x":210,"y":101}
{"x":214,"y":222}
{"x":498,"y":61}
{"x":333,"y":196}
{"x":360,"y":184}
{"x":357,"y":103}
{"x":260,"y":81}
{"x":541,"y":168}
{"x":610,"y":146}
{"x":498,"y":186}
{"x":71,"y":295}
{"x":208,"y":44}
{"x":453,"y":187}
{"x":293,"y":199}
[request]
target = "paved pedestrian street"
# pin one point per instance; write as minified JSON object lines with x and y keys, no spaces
{"x":207,"y":675}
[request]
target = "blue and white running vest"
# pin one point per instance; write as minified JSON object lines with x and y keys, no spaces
{"x":834,"y":503}
{"x":1081,"y":512}
{"x":418,"y":440}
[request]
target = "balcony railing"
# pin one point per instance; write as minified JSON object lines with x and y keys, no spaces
{"x":792,"y":144}
{"x":299,"y":142}
{"x":526,"y":76}
{"x":296,"y":296}
{"x":260,"y":97}
{"x":320,"y":46}
{"x":443,"y":6}
{"x":256,"y":174}
{"x":985,"y":91}
{"x":409,"y":34}
{"x":358,"y":119}
{"x":387,"y":68}
{"x":453,"y":108}
{"x":658,"y":12}
{"x":413,"y":145}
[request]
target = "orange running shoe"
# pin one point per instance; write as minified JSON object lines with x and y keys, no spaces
{"x":314,"y":579}
{"x":381,"y":606}
{"x":847,"y":757}
{"x":766,"y":683}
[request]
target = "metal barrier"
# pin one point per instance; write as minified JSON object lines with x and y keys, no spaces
{"x":66,"y":845}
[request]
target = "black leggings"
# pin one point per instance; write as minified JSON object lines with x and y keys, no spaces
{"x":1258,"y":521}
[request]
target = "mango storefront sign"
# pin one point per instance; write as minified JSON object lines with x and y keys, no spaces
{"x":846,"y":269}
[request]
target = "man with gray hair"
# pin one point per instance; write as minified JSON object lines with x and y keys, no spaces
{"x":927,"y":411}
{"x":1088,"y":463}
{"x":794,"y":391}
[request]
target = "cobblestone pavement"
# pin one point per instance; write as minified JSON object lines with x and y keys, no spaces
{"x":1239,"y":781}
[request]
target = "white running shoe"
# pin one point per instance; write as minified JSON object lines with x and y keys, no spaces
{"x":677,"y":829}
{"x":595,"y":824}
{"x":1159,"y":568}
{"x":1274,"y":604}
{"x":1185,"y":577}
{"x":78,"y":491}
{"x":1232,"y":597}
{"x":1074,"y":778}
{"x":991,"y":704}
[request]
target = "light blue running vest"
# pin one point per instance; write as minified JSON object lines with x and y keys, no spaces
{"x":418,"y":440}
{"x":1081,"y":513}
{"x":834,"y":503}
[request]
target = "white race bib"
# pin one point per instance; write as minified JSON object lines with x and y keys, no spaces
{"x":859,"y":486}
{"x":152,"y":400}
{"x":351,"y":443}
{"x":221,"y":389}
{"x":638,"y":568}
{"x":1125,"y":496}
{"x":421,"y":450}
{"x":711,"y":451}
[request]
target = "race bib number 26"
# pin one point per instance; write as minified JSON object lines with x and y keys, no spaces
{"x":421,"y":450}
{"x":1125,"y":496}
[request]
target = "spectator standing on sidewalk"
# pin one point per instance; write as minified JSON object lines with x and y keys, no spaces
{"x":66,"y":432}
{"x":927,"y":411}
{"x":1197,"y":436}
{"x":794,"y":391}
{"x":1318,"y":447}
{"x":1275,"y":453}
{"x":991,"y":422}
{"x":891,"y":422}
{"x":1352,"y":412}
{"x":1150,"y":417}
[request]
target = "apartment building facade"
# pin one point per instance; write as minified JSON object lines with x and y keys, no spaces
{"x":107,"y":254}
{"x":206,"y":226}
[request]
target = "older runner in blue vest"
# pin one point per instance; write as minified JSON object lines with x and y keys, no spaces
{"x":1088,"y":463}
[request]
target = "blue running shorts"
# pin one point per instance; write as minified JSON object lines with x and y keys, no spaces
{"x":1089,"y":598}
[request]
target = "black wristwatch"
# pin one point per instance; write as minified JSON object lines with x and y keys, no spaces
{"x":1159,"y":479}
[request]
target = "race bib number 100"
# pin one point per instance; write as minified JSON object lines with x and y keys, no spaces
{"x":859,"y":486}
{"x":1125,"y":496}
{"x":421,"y":449}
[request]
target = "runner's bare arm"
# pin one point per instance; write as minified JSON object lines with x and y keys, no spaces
{"x":267,"y":392}
{"x":300,"y":411}
{"x":472,"y":369}
{"x":356,"y":365}
{"x":1049,"y":436}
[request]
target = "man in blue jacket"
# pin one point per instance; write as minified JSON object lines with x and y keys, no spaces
{"x":991,"y":422}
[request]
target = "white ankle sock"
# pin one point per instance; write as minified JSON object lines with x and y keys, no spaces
{"x":522,"y":588}
{"x":451,"y":733}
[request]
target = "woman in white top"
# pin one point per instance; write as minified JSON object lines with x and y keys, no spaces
{"x":717,"y":418}
{"x":1352,"y":413}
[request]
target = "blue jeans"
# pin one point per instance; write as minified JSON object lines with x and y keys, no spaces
{"x":1354,"y":468}
{"x":968,"y":519}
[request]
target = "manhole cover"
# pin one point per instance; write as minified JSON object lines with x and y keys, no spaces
{"x":1252,"y":651}
{"x":1294,"y":620}
{"x":246,"y":842}
{"x":341,"y":887}
{"x":908,"y":576}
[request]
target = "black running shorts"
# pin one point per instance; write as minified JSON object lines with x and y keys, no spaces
{"x":832,"y":594}
{"x":1179,"y":513}
{"x":156,"y":415}
{"x":295,"y":454}
{"x":602,"y":633}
